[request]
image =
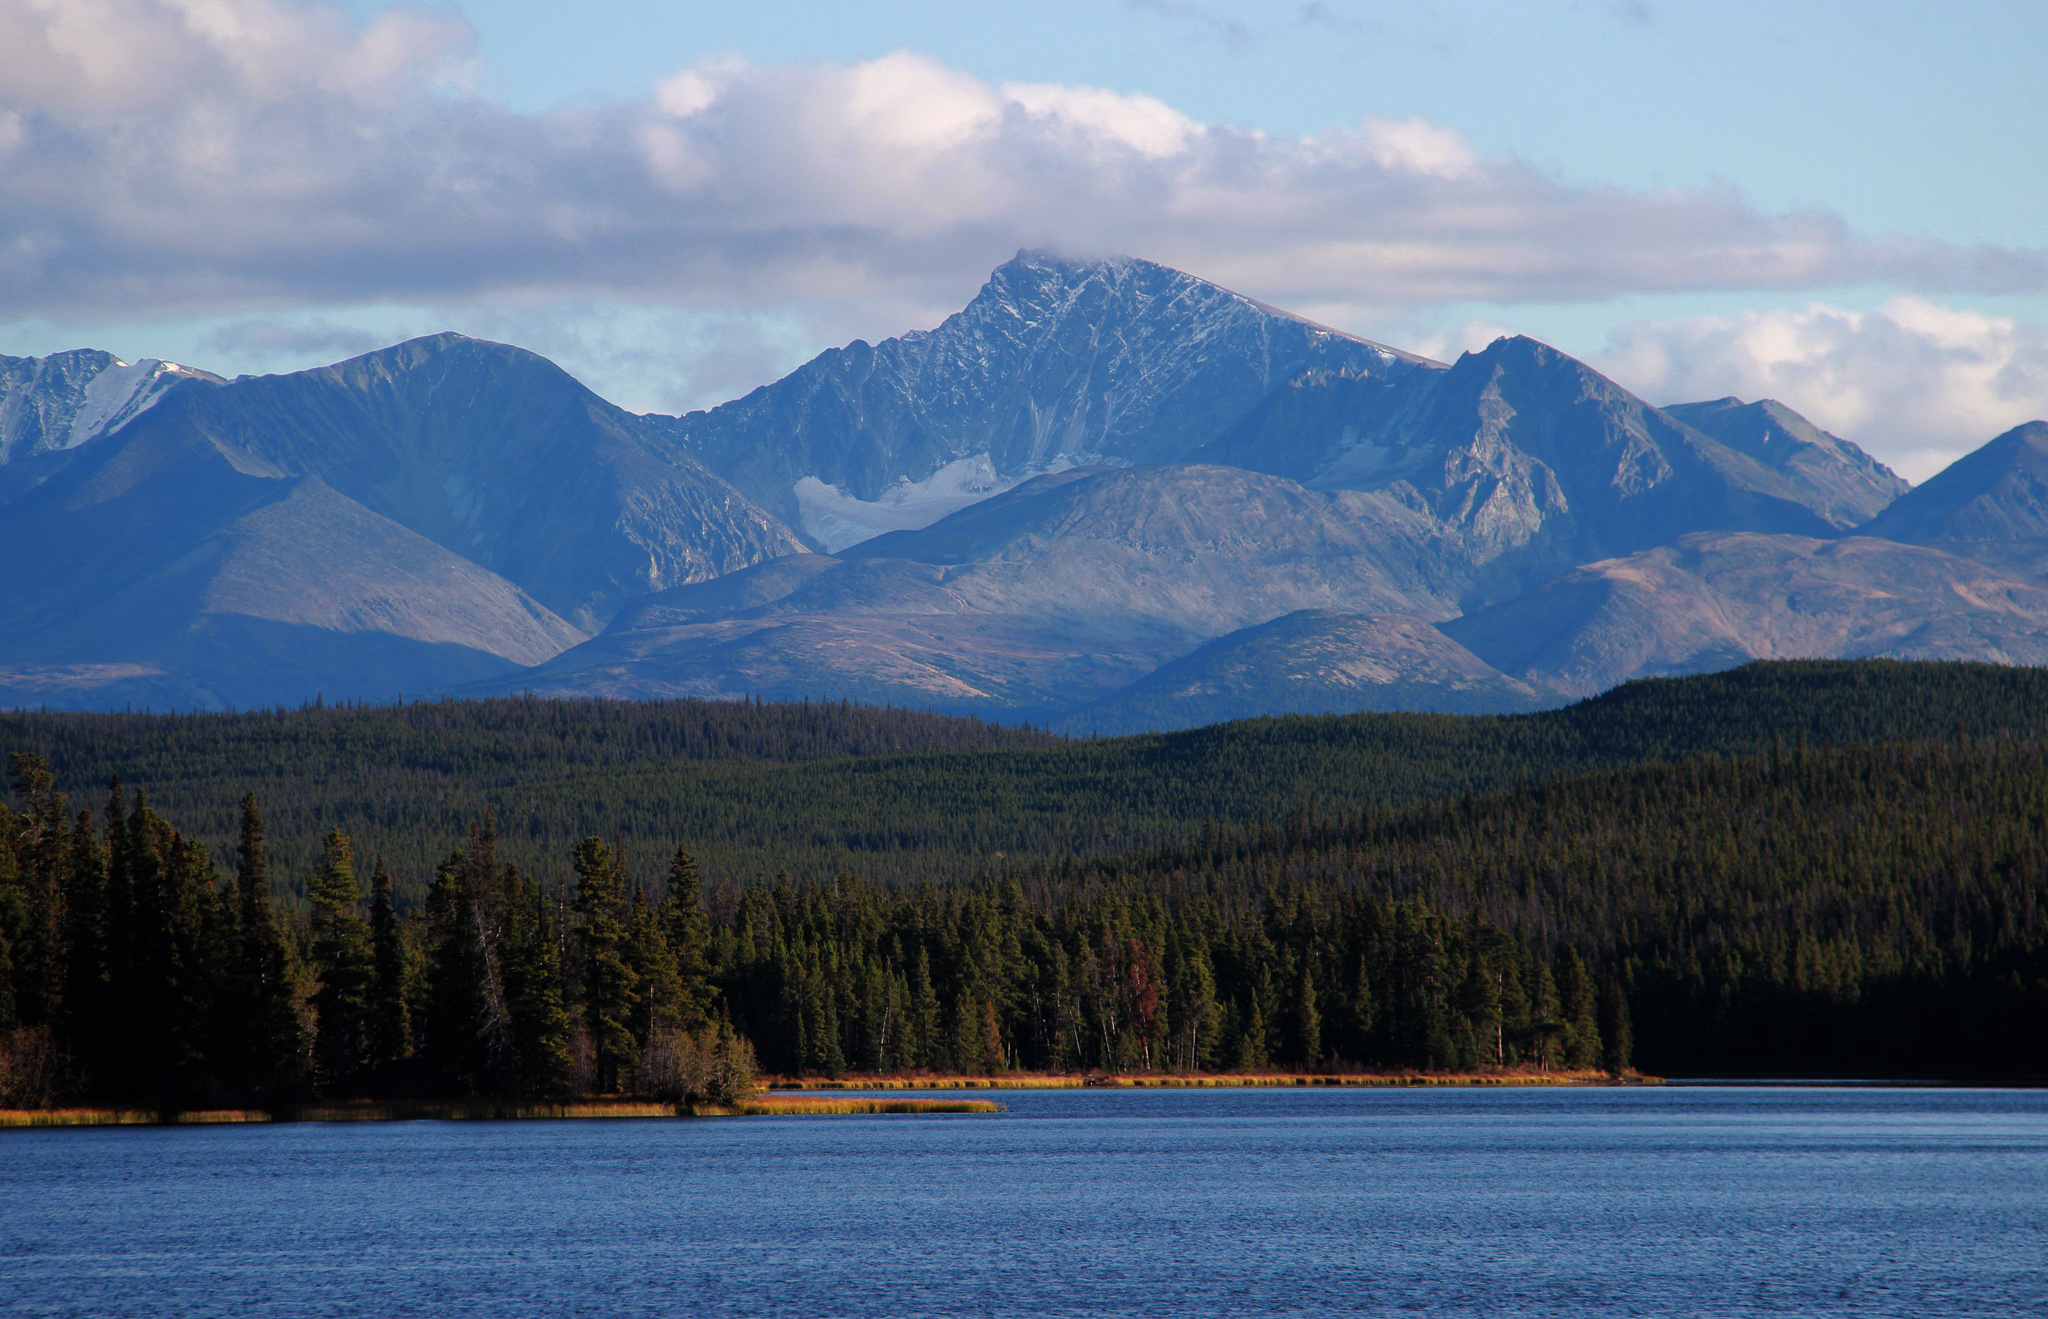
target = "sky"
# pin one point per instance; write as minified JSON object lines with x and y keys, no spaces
{"x":1842,"y":206}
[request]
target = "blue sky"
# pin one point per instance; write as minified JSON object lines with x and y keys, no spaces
{"x":1839,"y":205}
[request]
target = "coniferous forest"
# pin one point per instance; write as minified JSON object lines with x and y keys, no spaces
{"x":1824,"y":869}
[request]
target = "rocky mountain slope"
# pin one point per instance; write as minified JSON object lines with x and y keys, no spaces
{"x":1055,"y":363}
{"x":193,"y":576}
{"x":59,"y":402}
{"x":1312,"y":661}
{"x":1044,"y":597}
{"x":1991,"y":505}
{"x":1839,"y":481}
{"x":498,"y":455}
{"x":1531,"y":462}
{"x":1105,"y":493}
{"x":1713,"y":600}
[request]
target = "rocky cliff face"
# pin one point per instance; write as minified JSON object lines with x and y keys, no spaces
{"x":1530,"y":461}
{"x":1840,"y":482}
{"x":54,"y":403}
{"x":1054,"y":364}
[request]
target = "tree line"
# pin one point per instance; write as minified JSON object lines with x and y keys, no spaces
{"x":1875,"y":908}
{"x":133,"y":970}
{"x":820,"y":789}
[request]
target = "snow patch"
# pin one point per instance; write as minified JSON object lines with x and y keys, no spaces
{"x":836,"y":519}
{"x":119,"y":394}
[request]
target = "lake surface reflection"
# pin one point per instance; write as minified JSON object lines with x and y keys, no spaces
{"x":1678,"y":1201}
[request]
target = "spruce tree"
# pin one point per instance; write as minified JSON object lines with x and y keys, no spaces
{"x":344,"y":959}
{"x":926,"y":1045}
{"x":660,"y":1009}
{"x":534,"y":990}
{"x":34,"y":902}
{"x":688,"y":933}
{"x":265,"y":991}
{"x":1308,"y":1019}
{"x":610,"y":986}
{"x":1479,"y":1004}
{"x":390,"y":1012}
{"x":1577,"y":1004}
{"x":1617,"y":1039}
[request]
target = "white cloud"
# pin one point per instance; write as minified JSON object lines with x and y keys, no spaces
{"x":1916,"y":383}
{"x":207,"y":156}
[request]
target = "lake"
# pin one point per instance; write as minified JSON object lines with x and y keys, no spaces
{"x":1648,"y":1201}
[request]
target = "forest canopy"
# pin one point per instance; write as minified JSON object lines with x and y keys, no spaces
{"x":1795,"y":869}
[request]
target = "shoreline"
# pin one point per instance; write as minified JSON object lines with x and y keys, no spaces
{"x":1201,"y":1080}
{"x":765,"y":1104}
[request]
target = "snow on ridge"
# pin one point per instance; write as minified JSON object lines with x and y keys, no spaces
{"x":115,"y":394}
{"x":836,"y":519}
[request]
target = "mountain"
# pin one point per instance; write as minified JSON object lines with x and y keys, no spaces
{"x":1713,"y":600}
{"x":1055,"y":363}
{"x":1990,"y":505}
{"x":1044,"y":598}
{"x":499,"y":456}
{"x":1531,"y":462}
{"x":1845,"y":485}
{"x":49,"y":406}
{"x":193,"y":577}
{"x":1104,"y":492}
{"x":1312,"y":661}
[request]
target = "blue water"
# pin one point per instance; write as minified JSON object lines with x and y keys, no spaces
{"x":1673,"y":1201}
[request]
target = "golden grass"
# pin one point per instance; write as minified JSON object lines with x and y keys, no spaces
{"x":78,"y":1117}
{"x":1217,"y":1080}
{"x":482,"y":1111}
{"x":784,"y":1103}
{"x":806,"y":1106}
{"x":474,"y":1110}
{"x":126,"y":1117}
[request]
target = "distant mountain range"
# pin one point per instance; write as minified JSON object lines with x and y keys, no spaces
{"x":1105,"y":495}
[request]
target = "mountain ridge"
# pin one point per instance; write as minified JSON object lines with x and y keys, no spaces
{"x":1101,"y":486}
{"x":1052,"y":363}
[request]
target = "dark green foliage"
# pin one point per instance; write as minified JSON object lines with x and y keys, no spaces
{"x":263,"y":1006}
{"x":611,"y":984}
{"x":819,"y":789}
{"x":390,"y":1009}
{"x":344,"y":960}
{"x":1618,"y":1044}
{"x":536,"y":933}
{"x":1719,"y":898}
{"x":1871,"y":909}
{"x":687,"y":934}
{"x":1580,"y":1029}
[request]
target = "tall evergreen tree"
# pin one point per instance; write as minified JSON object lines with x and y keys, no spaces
{"x":1308,"y":1018}
{"x":534,"y":990}
{"x":344,"y":959}
{"x":688,"y":935}
{"x":1577,"y":1003}
{"x":272,"y":1060}
{"x":1617,"y":1038}
{"x":610,"y":986}
{"x":390,"y":1010}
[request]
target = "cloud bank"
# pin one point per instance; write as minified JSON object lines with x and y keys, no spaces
{"x":1916,"y":383}
{"x":204,"y":156}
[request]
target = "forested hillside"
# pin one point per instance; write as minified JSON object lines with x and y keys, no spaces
{"x":1861,"y":904}
{"x":1874,"y":909}
{"x":819,"y":789}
